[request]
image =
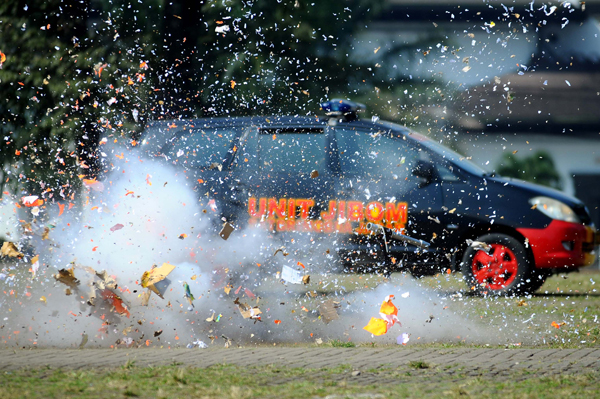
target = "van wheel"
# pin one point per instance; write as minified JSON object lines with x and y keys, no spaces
{"x":498,"y":266}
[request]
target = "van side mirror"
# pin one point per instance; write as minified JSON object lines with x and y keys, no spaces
{"x":424,"y":170}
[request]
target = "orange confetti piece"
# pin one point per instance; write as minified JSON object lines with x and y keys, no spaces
{"x":277,"y":321}
{"x":94,"y":249}
{"x":93,"y":184}
{"x":300,"y":264}
{"x":232,"y":84}
{"x":143,"y":65}
{"x":31,"y":201}
{"x":376,"y":326}
{"x":148,"y":180}
{"x":115,"y":301}
{"x":387,"y":307}
{"x":2,"y":57}
{"x":61,"y":209}
{"x":200,"y":181}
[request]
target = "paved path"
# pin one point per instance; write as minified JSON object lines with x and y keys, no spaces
{"x":471,"y":361}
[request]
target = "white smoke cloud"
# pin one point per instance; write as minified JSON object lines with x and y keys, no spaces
{"x":147,"y":214}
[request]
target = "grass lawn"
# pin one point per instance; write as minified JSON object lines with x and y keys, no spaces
{"x":415,"y":380}
{"x":565,"y":312}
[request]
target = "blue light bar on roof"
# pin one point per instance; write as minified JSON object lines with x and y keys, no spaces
{"x":341,"y":107}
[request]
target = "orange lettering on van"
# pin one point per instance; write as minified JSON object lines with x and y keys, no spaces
{"x":275,"y":209}
{"x":330,"y":215}
{"x":262,"y":207}
{"x":355,"y":211}
{"x":395,"y":214}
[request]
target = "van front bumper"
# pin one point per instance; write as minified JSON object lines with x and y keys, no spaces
{"x":562,"y":245}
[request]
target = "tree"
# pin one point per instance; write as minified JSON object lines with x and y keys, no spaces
{"x":537,"y":168}
{"x":67,"y":90}
{"x":272,"y":56}
{"x":82,"y":73}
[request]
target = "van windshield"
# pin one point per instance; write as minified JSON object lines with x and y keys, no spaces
{"x":459,"y":160}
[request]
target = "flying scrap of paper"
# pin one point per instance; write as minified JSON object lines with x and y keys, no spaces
{"x":153,"y":278}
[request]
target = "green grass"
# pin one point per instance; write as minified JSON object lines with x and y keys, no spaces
{"x":570,"y":301}
{"x":418,"y":364}
{"x":336,"y":343}
{"x":225,"y":381}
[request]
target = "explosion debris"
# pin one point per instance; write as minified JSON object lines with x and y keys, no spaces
{"x":328,"y":311}
{"x":9,"y":249}
{"x":248,"y":312}
{"x":67,"y":277}
{"x":156,"y":275}
{"x":226,"y":230}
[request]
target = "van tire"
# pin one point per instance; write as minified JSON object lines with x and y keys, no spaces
{"x":502,"y":269}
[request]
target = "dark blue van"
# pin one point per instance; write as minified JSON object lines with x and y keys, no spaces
{"x":364,"y":182}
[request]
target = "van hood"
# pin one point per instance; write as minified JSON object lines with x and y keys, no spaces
{"x":536,"y":189}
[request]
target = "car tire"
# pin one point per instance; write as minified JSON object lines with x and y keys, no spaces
{"x":501,"y":268}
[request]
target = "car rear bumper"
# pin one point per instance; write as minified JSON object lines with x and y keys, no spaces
{"x":562,"y":245}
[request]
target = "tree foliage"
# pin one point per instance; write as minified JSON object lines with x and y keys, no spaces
{"x":536,"y":168}
{"x":81,"y":74}
{"x":69,"y":86}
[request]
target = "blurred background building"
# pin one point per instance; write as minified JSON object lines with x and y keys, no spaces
{"x":524,"y":79}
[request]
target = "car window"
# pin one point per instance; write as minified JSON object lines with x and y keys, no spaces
{"x":199,"y":148}
{"x":292,"y":151}
{"x":374,"y":154}
{"x":446,"y":172}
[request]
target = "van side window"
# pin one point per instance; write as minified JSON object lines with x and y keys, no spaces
{"x":292,"y":151}
{"x":447,"y":173}
{"x":374,"y":155}
{"x":199,"y":148}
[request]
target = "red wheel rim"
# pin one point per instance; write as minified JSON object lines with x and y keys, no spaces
{"x":496,"y":268}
